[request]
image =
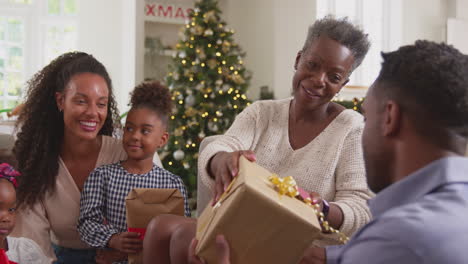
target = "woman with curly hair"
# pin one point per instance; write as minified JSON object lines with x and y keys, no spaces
{"x":65,"y":132}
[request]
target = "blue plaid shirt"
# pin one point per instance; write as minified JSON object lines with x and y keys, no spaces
{"x":103,"y":197}
{"x":419,"y":219}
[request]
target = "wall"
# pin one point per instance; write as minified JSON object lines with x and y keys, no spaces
{"x":271,"y":32}
{"x":253,"y":25}
{"x":461,"y":9}
{"x":424,"y":19}
{"x":292,"y":19}
{"x":457,"y":24}
{"x":108,"y":30}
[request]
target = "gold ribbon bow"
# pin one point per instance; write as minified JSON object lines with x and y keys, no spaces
{"x":285,"y":186}
{"x":288,"y":186}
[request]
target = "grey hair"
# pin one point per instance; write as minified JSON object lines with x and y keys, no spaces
{"x":342,"y":31}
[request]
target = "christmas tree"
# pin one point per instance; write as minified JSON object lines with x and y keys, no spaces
{"x":208,"y":82}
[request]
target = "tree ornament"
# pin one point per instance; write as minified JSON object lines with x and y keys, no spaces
{"x":178,"y":132}
{"x":199,"y":86}
{"x":209,"y":16}
{"x":201,"y":75}
{"x":202,"y":55}
{"x":208,"y":33}
{"x":190,"y":112}
{"x":212,"y":63}
{"x":212,"y":126}
{"x":238,"y":79}
{"x":199,"y":30}
{"x":178,"y":154}
{"x":190,"y":100}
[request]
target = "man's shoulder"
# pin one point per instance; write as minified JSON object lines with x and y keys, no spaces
{"x":441,"y":209}
{"x":430,"y":227}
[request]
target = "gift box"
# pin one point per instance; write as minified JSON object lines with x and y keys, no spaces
{"x":144,"y":204}
{"x":260,"y":224}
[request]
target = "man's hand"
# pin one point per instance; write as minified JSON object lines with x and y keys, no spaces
{"x":314,"y":255}
{"x":223,"y":252}
{"x":126,"y":242}
{"x":223,"y":166}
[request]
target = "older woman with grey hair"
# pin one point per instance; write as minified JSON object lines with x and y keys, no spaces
{"x":306,"y":136}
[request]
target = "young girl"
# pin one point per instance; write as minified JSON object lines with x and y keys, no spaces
{"x":103,"y":196}
{"x":14,"y":249}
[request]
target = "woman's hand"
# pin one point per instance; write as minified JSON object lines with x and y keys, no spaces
{"x":317,"y":199}
{"x":222,"y":250}
{"x":223,"y":166}
{"x":334,"y":215}
{"x":126,"y":242}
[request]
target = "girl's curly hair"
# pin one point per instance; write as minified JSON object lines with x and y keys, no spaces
{"x":41,"y":124}
{"x":155,"y":96}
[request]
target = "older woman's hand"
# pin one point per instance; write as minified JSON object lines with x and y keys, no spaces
{"x":222,"y":250}
{"x":223,"y":166}
{"x":333,"y":214}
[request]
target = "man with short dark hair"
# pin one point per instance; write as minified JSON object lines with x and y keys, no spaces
{"x":414,"y":138}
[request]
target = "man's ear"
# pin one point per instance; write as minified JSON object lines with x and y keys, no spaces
{"x":60,"y":100}
{"x":392,"y":118}
{"x":298,"y":57}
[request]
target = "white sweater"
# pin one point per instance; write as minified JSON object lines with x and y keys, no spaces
{"x":332,"y":164}
{"x":25,"y":251}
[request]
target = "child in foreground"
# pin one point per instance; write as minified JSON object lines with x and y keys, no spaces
{"x":103,"y":196}
{"x":14,"y":250}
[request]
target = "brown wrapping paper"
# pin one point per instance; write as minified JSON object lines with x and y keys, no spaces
{"x":260,"y":225}
{"x":144,"y":204}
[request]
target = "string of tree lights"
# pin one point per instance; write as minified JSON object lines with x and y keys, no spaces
{"x":208,"y":81}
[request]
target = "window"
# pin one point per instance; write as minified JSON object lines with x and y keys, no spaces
{"x":11,"y":60}
{"x":380,"y":19}
{"x":32,"y":33}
